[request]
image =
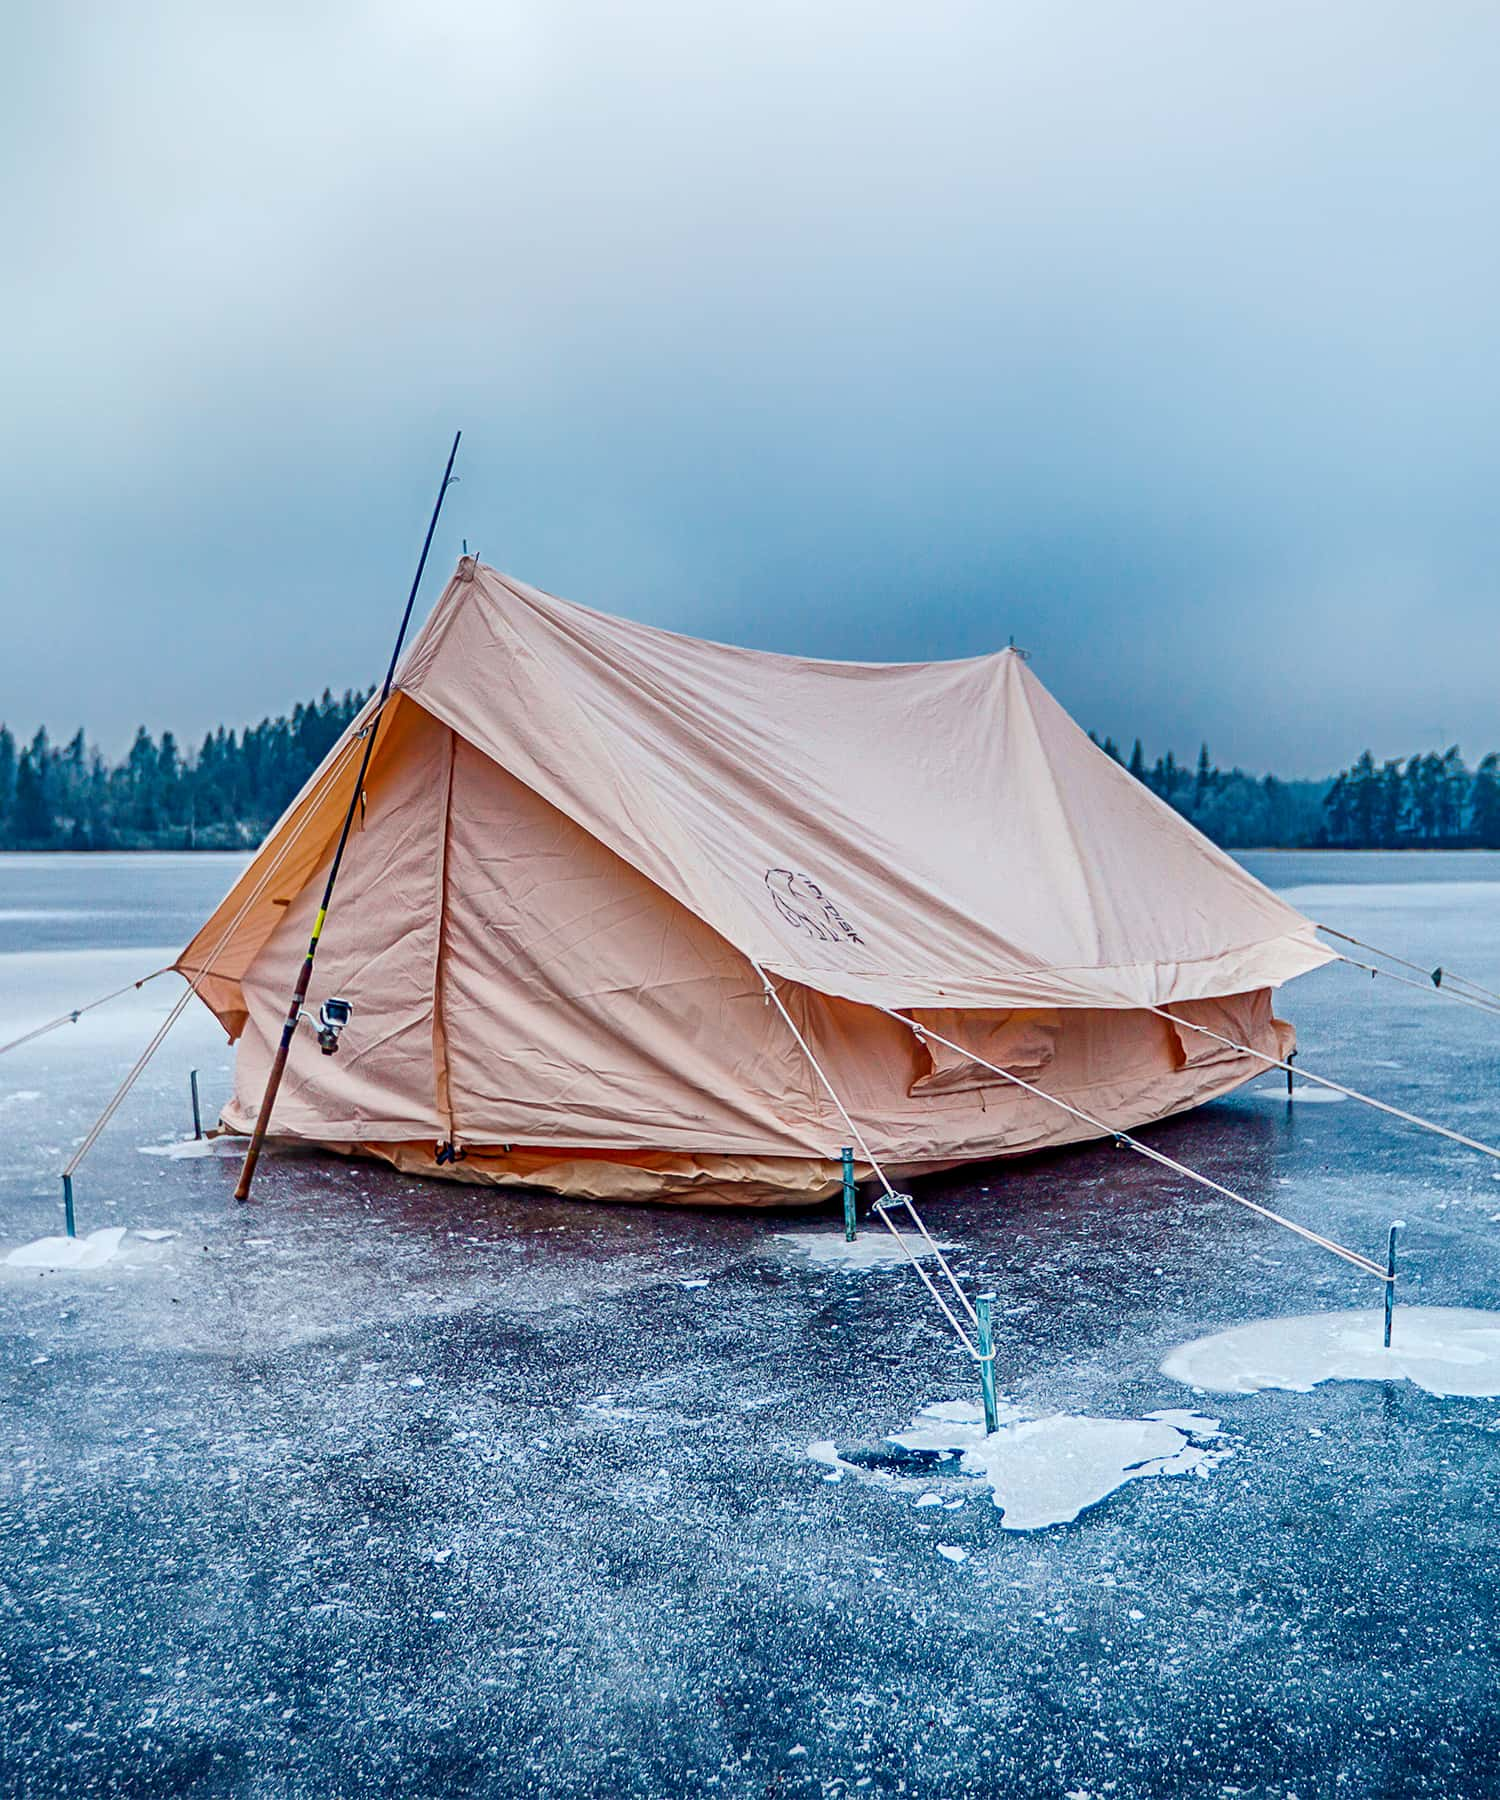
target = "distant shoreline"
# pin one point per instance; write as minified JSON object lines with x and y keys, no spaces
{"x":1237,"y":850}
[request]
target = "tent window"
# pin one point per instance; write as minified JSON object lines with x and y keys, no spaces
{"x":1023,"y":1042}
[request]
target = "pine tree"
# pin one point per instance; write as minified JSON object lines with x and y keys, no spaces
{"x":1203,"y":780}
{"x":7,"y":771}
{"x":1484,"y":802}
{"x":1336,"y":810}
{"x":1364,"y":794}
{"x":31,"y":815}
{"x":1138,"y":761}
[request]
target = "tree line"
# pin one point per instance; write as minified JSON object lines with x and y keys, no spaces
{"x":225,"y":795}
{"x":1426,"y":801}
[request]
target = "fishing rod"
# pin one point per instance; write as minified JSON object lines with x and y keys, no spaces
{"x":299,"y":992}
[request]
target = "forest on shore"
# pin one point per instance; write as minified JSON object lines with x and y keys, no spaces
{"x":225,"y":795}
{"x":229,"y":791}
{"x":1429,"y":801}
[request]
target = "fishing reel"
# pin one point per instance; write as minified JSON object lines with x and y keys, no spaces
{"x":333,"y":1016}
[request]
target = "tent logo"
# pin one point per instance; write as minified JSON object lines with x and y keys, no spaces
{"x":801,"y":902}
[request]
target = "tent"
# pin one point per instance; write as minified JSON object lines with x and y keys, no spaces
{"x":586,"y":847}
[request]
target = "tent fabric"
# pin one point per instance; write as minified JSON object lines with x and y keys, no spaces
{"x":582,"y":839}
{"x":918,"y":834}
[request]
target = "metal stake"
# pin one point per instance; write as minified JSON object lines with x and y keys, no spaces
{"x":987,"y":1362}
{"x":848,"y":1155}
{"x":1291,"y":1057}
{"x":68,"y":1206}
{"x":1390,"y":1277}
{"x":197,"y":1115}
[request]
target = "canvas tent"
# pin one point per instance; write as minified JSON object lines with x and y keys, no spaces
{"x":583,"y":840}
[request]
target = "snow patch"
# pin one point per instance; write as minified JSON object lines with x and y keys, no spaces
{"x":1448,"y":1350}
{"x":225,"y":1145}
{"x":871,"y":1250}
{"x":68,"y":1253}
{"x":20,"y":1097}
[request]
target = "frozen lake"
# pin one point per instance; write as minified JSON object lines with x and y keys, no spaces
{"x":384,"y":1487}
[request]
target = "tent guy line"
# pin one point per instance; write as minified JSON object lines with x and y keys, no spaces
{"x":1423,"y":987}
{"x":72,"y":1018}
{"x":1338,"y":1087}
{"x":337,"y":760}
{"x":1360,"y":1262}
{"x":1436,"y":976}
{"x":892,"y":1196}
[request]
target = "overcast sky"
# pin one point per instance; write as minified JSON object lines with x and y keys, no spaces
{"x":1161,"y":337}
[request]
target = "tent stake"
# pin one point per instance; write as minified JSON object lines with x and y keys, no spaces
{"x":1290,"y":1058}
{"x":1390,"y":1278}
{"x":849,"y":1227}
{"x":197,"y":1114}
{"x":304,"y":976}
{"x":987,"y":1362}
{"x":68,"y":1206}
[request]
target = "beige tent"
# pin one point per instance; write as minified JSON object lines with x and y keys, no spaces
{"x":583,"y":839}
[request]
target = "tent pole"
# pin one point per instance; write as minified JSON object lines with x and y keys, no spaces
{"x":304,"y":975}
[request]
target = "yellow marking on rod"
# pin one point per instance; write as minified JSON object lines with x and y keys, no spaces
{"x":318,"y":923}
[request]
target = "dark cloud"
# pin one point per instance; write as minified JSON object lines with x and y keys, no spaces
{"x":1157,"y":336}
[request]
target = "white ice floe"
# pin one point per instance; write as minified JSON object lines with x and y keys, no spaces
{"x":68,"y":1253}
{"x":1303,"y":1094}
{"x":1047,"y":1471}
{"x":825,"y":1451}
{"x":226,"y":1145}
{"x":21,"y":1097}
{"x":1449,"y":1350}
{"x":872,"y":1249}
{"x":954,"y":1552}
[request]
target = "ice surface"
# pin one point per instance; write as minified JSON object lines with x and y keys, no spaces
{"x":69,"y":1253}
{"x":872,"y":1249}
{"x":1449,"y":1350}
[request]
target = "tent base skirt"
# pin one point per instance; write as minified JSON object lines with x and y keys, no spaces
{"x":660,"y":1176}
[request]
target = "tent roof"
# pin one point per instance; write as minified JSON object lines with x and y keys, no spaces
{"x":903,"y":834}
{"x":906,"y":834}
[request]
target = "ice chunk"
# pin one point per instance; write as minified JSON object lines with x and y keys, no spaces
{"x":69,"y":1253}
{"x":872,"y":1250}
{"x":1449,"y":1350}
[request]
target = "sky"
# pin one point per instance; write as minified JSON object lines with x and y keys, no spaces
{"x":1160,"y":338}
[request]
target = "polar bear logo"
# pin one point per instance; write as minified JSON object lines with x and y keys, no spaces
{"x":801,"y":902}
